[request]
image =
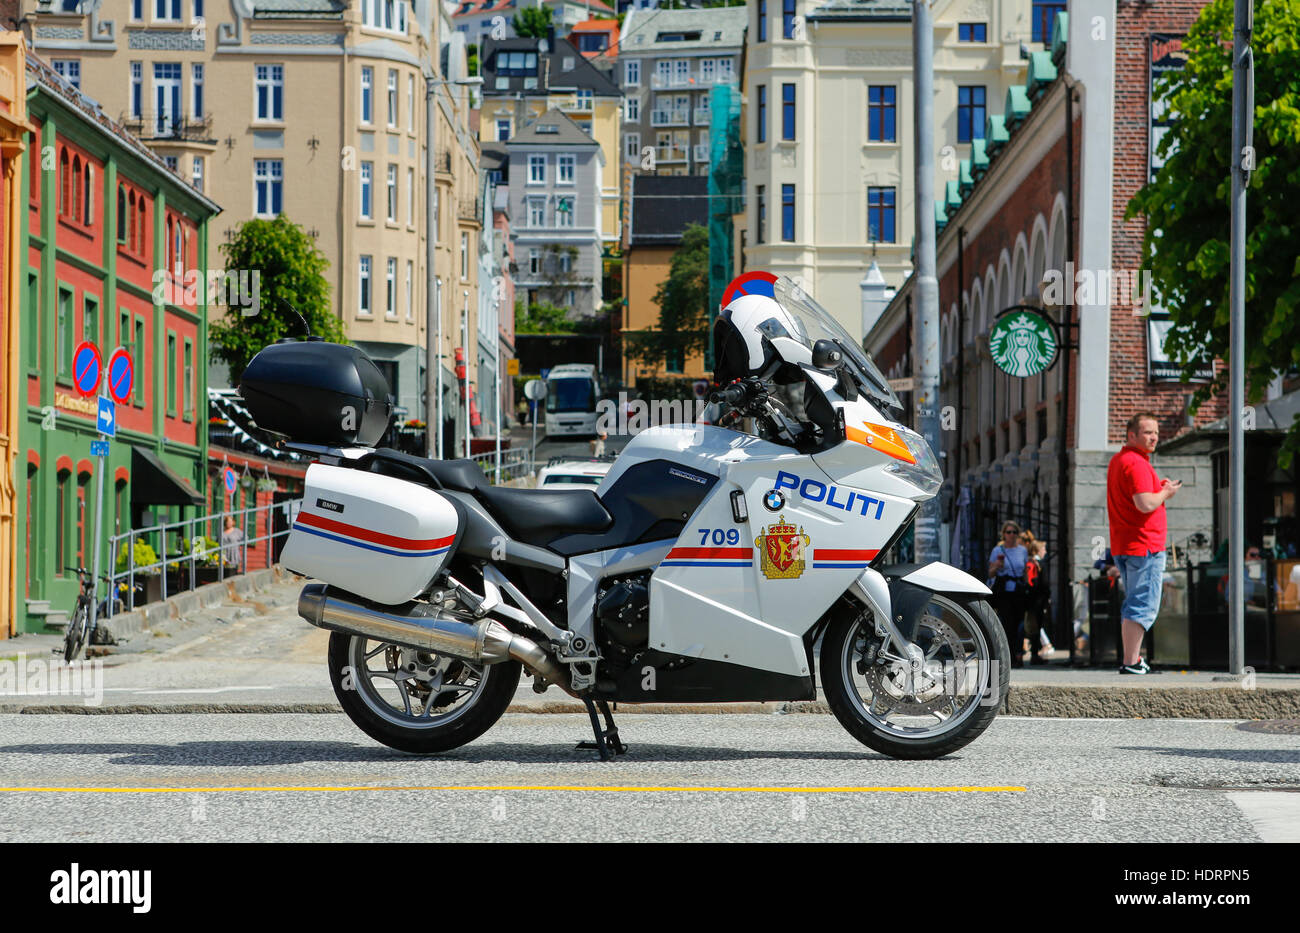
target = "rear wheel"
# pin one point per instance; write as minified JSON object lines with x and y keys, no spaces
{"x":74,"y":635}
{"x":417,"y":701}
{"x":923,"y":711}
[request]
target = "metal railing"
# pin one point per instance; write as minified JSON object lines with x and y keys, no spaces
{"x":194,"y":531}
{"x":679,"y":116}
{"x":516,"y":462}
{"x":701,"y":152}
{"x":702,"y":116}
{"x":161,"y":125}
{"x":670,"y":153}
{"x":658,"y":80}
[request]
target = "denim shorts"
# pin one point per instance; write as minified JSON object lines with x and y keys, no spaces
{"x":1143,"y":579}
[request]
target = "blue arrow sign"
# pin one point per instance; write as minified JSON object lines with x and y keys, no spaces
{"x":99,"y":448}
{"x":107,"y":420}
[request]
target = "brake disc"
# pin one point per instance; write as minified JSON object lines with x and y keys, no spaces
{"x":929,"y":690}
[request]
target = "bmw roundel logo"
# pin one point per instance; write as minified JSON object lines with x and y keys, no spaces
{"x":774,"y":500}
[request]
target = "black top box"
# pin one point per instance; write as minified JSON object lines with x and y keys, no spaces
{"x":318,"y":393}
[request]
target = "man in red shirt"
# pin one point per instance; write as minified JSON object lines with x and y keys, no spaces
{"x":1135,"y":502}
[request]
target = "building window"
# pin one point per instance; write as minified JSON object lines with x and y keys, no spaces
{"x":761,"y":192}
{"x":632,"y":73}
{"x":196,"y":91}
{"x":564,"y":211}
{"x":787,"y":213}
{"x":410,"y":103}
{"x":188,"y":375}
{"x":197,"y":13}
{"x":1044,"y":14}
{"x":33,"y":320}
{"x":198,"y":173}
{"x":63,"y":334}
{"x":141,"y":360}
{"x":410,"y":278}
{"x":167,"y":10}
{"x":367,"y":89}
{"x":61,"y":523}
{"x":972,"y":32}
{"x":534,"y":262}
{"x":464,"y":256}
{"x":390,"y":293}
{"x":503,"y":130}
{"x":69,"y":69}
{"x":410,"y":197}
{"x":970,"y":113}
{"x":516,"y":64}
{"x":537,"y":169}
{"x":90,"y":320}
{"x":564,"y":169}
{"x":392,"y":194}
{"x":268,"y":183}
{"x":536,"y":212}
{"x":167,"y":97}
{"x":787,"y":111}
{"x":881,"y":106}
{"x":762,"y":20}
{"x":726,"y":71}
{"x":269,"y":84}
{"x":632,"y":109}
{"x":631,"y":145}
{"x":880,"y":215}
{"x":171,"y":374}
{"x":137,"y":10}
{"x":787,"y":19}
{"x":367,"y":172}
{"x":171,"y":161}
{"x":681,"y":72}
{"x":137,"y":89}
{"x":364,"y":290}
{"x":88,"y":195}
{"x":674,"y":360}
{"x":392,"y":98}
{"x":762,"y":113}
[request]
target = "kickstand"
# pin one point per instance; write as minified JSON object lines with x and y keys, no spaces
{"x":607,"y":737}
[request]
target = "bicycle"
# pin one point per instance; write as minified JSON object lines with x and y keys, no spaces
{"x":76,"y":635}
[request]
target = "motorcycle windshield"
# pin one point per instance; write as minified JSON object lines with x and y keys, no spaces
{"x":816,"y":323}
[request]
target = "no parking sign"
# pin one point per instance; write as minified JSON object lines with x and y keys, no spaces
{"x":86,"y":366}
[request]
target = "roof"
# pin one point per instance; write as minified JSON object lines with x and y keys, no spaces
{"x":479,"y":7}
{"x":492,"y":155}
{"x":858,"y":10}
{"x":662,"y":206}
{"x":1274,"y":417}
{"x":566,"y":132}
{"x":40,"y":73}
{"x":282,"y":9}
{"x":551,"y":74}
{"x":718,"y":27}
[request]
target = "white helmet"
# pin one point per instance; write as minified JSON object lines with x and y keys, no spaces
{"x":747,"y":338}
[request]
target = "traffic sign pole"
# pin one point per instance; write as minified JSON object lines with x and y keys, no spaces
{"x":99,"y":531}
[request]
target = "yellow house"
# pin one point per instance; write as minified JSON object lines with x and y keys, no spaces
{"x":660,"y":207}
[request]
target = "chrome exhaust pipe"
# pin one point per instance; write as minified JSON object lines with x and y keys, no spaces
{"x":427,"y":628}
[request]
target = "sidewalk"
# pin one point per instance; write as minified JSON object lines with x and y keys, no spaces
{"x":242,"y":648}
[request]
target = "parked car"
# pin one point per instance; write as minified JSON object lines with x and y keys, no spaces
{"x":573,"y":472}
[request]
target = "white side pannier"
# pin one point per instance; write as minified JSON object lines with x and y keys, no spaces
{"x":381,"y":538}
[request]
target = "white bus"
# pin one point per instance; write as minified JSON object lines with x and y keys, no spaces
{"x":571,"y":394}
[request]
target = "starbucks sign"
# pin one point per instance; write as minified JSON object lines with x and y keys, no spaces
{"x":1022,"y":343}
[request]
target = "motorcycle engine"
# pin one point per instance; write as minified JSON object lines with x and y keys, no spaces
{"x":623,"y":615}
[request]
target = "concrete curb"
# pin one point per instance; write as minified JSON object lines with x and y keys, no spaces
{"x":128,"y":625}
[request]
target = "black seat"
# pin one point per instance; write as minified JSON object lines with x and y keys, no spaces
{"x":533,"y":516}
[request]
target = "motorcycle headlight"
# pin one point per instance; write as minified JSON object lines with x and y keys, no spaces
{"x":923,"y":472}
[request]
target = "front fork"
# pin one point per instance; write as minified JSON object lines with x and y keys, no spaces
{"x":873,"y":589}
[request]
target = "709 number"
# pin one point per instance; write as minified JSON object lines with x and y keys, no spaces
{"x":720,"y":536}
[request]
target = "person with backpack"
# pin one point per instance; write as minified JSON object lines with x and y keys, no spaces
{"x":1007,"y":566}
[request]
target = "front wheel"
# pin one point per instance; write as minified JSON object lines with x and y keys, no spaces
{"x":74,"y":635}
{"x":910,"y":712}
{"x":417,"y":701}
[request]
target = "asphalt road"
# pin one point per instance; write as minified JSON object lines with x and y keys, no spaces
{"x":306,"y":777}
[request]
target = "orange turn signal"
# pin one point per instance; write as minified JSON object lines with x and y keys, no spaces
{"x":882,"y":438}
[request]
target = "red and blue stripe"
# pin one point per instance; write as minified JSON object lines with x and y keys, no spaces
{"x":843,"y":558}
{"x":334,"y":530}
{"x":709,"y":557}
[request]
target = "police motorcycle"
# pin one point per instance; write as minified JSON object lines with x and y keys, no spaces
{"x":714,"y":563}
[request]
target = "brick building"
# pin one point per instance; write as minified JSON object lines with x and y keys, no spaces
{"x":1036,"y":217}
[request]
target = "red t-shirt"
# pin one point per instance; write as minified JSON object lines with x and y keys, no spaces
{"x":1133,"y":531}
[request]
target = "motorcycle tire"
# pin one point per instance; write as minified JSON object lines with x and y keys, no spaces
{"x":837,"y":684}
{"x":480,"y":714}
{"x":74,"y":635}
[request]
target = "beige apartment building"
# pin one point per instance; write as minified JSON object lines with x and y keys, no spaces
{"x":828,"y":131}
{"x":315,"y":109}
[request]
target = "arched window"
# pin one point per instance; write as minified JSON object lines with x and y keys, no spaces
{"x":131,"y":232}
{"x":170,"y":259}
{"x":88,"y":196}
{"x":74,"y":199}
{"x":64,"y":182}
{"x":141,"y":218}
{"x":121,"y":215}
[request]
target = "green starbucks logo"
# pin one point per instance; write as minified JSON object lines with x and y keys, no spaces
{"x":1022,"y":343}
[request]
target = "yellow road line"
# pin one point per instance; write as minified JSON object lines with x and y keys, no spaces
{"x":535,"y":787}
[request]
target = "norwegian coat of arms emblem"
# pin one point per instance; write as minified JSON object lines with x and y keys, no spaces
{"x":782,"y":547}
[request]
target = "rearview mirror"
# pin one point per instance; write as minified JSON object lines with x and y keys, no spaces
{"x":826,"y":355}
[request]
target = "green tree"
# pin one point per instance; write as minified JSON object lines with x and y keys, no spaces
{"x":683,"y":300}
{"x":532,"y":22}
{"x":544,"y":318}
{"x":1186,"y":206}
{"x":291,"y":270}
